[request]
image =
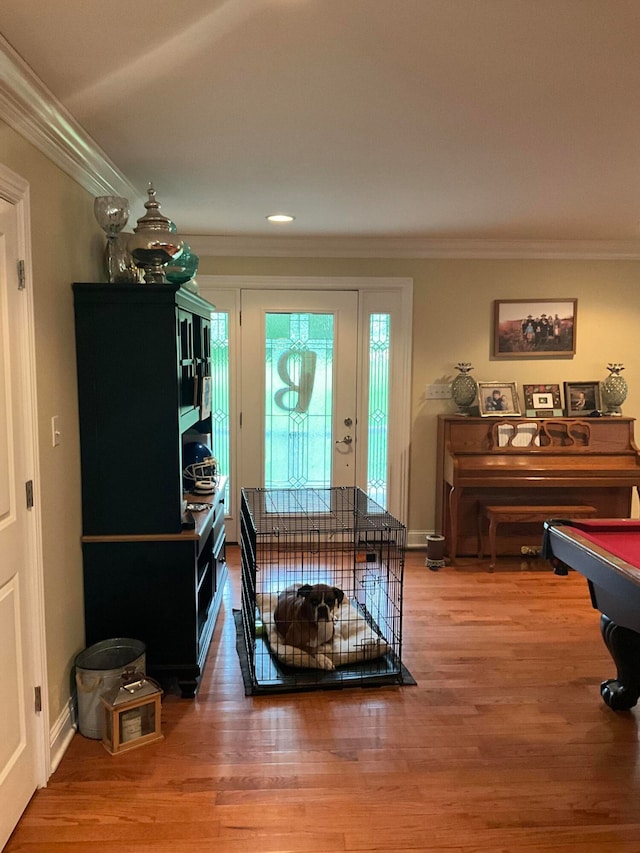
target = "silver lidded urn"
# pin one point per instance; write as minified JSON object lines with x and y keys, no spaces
{"x":464,"y":388}
{"x":153,"y":244}
{"x":614,"y":390}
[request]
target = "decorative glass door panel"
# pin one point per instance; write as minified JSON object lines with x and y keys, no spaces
{"x":220,"y":392}
{"x":298,"y":389}
{"x":378,"y":407}
{"x":298,"y":400}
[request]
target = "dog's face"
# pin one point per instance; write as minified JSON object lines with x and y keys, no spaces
{"x":305,"y":615}
{"x":320,"y":602}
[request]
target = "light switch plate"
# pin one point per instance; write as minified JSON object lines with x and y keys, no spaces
{"x":439,"y":391}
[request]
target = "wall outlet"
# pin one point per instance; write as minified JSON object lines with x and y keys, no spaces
{"x":439,"y":391}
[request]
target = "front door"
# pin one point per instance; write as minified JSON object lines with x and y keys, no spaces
{"x":18,"y":732}
{"x":299,"y":391}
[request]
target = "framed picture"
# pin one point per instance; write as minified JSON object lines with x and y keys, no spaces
{"x":534,"y":328}
{"x":498,"y":399}
{"x":582,"y":398}
{"x":205,"y":397}
{"x":542,"y":401}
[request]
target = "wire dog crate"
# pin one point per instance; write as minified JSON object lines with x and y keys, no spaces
{"x":333,"y":536}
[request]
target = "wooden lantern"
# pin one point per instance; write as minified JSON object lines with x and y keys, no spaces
{"x":131,"y":713}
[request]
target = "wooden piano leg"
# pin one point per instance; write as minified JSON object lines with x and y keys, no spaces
{"x":491,"y":537}
{"x":492,"y":541}
{"x":480,"y":525}
{"x":454,"y":506}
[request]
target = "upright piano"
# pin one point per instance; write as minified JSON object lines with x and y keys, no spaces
{"x":547,"y":461}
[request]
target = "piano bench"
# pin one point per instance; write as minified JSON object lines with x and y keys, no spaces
{"x":519,"y":513}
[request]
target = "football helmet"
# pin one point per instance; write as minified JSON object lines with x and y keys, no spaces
{"x":198,"y":468}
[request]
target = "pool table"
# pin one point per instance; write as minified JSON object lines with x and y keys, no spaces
{"x":607,"y":553}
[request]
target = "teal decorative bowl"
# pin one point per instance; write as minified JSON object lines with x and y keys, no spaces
{"x":184,"y":268}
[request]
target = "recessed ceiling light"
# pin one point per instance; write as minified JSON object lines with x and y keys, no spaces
{"x":280,"y":217}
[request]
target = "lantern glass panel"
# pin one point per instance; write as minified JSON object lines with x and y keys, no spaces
{"x":137,"y":722}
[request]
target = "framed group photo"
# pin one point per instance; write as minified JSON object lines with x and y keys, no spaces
{"x":582,"y":398}
{"x":498,"y":399}
{"x":534,"y":328}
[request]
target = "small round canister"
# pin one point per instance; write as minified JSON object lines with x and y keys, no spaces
{"x":435,"y":551}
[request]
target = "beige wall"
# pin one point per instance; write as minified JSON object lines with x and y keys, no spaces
{"x":452,"y":322}
{"x":66,"y":247}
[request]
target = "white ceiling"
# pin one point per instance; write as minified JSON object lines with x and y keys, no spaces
{"x":438,"y":119}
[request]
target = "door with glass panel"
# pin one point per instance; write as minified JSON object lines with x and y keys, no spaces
{"x":299,"y":394}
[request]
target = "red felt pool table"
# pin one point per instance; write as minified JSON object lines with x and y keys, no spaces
{"x":607,"y":553}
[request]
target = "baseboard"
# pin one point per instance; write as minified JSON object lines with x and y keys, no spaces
{"x":418,"y":538}
{"x":62,"y":732}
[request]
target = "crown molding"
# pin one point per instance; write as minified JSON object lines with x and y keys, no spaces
{"x":35,"y":113}
{"x":412,"y":247}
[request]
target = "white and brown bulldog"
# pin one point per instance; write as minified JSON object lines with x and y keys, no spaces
{"x":305,"y":617}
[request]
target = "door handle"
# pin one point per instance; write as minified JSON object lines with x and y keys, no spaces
{"x":346,"y":440}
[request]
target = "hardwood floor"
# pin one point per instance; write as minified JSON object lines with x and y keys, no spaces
{"x":503,"y":745}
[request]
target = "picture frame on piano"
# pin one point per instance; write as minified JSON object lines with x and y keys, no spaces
{"x":582,"y":398}
{"x":534,"y":328}
{"x":498,"y":399}
{"x":543,"y":400}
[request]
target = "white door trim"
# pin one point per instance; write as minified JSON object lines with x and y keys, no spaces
{"x":368,"y":287}
{"x":15,"y":190}
{"x":304,"y":282}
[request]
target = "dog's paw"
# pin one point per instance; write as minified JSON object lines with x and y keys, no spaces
{"x":323,"y":662}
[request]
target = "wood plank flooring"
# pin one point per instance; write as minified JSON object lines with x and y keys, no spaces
{"x":504,"y":744}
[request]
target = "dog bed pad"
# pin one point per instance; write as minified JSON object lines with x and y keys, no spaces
{"x":353,"y":640}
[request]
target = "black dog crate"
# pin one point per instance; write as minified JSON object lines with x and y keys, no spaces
{"x":333,"y":536}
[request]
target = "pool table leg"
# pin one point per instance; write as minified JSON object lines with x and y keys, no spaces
{"x":621,"y":693}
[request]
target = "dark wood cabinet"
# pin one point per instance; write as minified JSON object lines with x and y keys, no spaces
{"x":165,"y":590}
{"x":143,"y":357}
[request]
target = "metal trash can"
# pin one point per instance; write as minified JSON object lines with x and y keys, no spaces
{"x":98,"y":669}
{"x":435,"y":552}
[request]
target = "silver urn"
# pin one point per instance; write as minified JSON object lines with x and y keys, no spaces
{"x":154,"y":244}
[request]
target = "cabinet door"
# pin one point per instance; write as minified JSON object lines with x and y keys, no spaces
{"x":145,"y":590}
{"x":128,"y":404}
{"x":202,"y":354}
{"x":205,"y":590}
{"x":186,"y":361}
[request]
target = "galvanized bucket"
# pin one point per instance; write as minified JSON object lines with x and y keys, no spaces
{"x":98,"y":669}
